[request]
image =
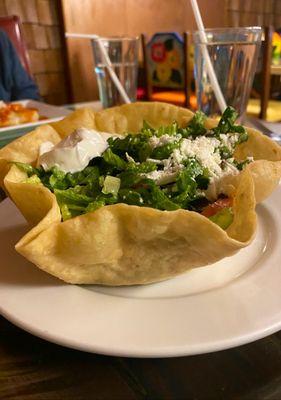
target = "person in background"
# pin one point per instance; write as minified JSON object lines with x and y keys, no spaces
{"x":15,"y":83}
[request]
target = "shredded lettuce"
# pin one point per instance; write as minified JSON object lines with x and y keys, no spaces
{"x":111,"y":185}
{"x":33,"y":179}
{"x":197,"y":125}
{"x":141,"y":168}
{"x":227,"y":125}
{"x":114,"y":160}
{"x":164,"y":152}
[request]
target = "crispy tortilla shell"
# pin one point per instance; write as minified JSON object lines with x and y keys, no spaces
{"x":130,"y":117}
{"x":34,"y":201}
{"x":25,"y":148}
{"x":122,"y":244}
{"x":266,"y":169}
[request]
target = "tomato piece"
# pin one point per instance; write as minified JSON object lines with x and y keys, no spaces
{"x":215,"y":207}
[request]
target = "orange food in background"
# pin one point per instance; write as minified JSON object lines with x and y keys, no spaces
{"x":16,"y":114}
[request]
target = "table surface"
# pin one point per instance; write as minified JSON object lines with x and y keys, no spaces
{"x":31,"y":369}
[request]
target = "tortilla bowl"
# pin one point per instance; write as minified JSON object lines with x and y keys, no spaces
{"x":125,"y":245}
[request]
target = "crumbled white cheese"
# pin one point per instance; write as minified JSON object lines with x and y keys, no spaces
{"x":155,"y":141}
{"x":153,"y":160}
{"x":229,"y":140}
{"x":130,"y":159}
{"x":162,"y":177}
{"x":203,"y":149}
{"x":74,"y":152}
{"x":216,"y":182}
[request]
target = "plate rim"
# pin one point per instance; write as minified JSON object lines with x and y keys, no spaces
{"x":160,"y":353}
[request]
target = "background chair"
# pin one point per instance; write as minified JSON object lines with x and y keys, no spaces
{"x":266,"y":105}
{"x":261,"y":106}
{"x":12,"y":26}
{"x":167,"y":70}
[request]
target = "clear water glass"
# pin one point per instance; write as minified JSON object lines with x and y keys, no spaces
{"x":233,"y":53}
{"x":123,"y":54}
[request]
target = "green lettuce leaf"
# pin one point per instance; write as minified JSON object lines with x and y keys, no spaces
{"x":27,"y":168}
{"x":164,"y":152}
{"x":227,"y":125}
{"x":71,"y":197}
{"x":130,"y":196}
{"x":114,"y":159}
{"x":196,"y":126}
{"x":141,"y":168}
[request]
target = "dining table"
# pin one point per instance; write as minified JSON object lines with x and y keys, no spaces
{"x":32,"y":368}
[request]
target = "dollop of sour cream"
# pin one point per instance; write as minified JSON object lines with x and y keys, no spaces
{"x":74,"y":152}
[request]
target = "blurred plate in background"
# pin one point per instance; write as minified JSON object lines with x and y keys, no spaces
{"x":49,"y":112}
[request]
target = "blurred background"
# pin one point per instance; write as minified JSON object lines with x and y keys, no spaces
{"x":63,"y":68}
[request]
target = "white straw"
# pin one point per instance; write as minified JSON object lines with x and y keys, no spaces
{"x":206,"y":56}
{"x":107,"y":62}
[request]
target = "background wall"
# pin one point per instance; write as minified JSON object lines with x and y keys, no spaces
{"x":42,"y":34}
{"x":129,"y":17}
{"x":253,"y":13}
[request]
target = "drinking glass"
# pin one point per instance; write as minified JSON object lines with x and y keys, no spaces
{"x":233,"y":53}
{"x":123,"y":54}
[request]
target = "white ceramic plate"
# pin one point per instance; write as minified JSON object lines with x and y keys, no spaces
{"x":52,"y":114}
{"x":204,"y":310}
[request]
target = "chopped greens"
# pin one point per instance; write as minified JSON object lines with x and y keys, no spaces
{"x":144,"y":167}
{"x":28,"y":169}
{"x":164,"y":152}
{"x":33,"y":179}
{"x":196,"y":126}
{"x":114,"y":160}
{"x":162,"y":168}
{"x":227,"y":125}
{"x":111,"y":185}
